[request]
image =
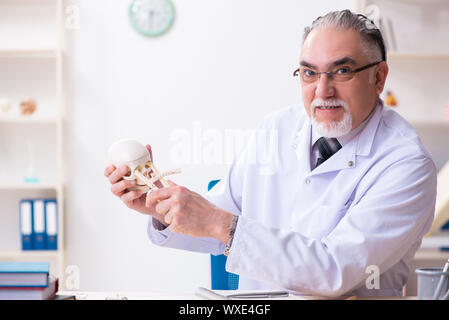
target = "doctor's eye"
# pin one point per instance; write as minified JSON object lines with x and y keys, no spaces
{"x":309,"y":73}
{"x":341,"y":71}
{"x":309,"y":76}
{"x":343,"y":74}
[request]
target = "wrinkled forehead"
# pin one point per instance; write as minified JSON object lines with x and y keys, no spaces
{"x":324,"y":46}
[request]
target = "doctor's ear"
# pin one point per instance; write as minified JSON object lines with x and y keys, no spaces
{"x":380,"y":76}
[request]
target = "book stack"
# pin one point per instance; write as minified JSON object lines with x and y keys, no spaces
{"x":27,"y":281}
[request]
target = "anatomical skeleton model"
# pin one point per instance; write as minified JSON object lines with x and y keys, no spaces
{"x":136,"y":156}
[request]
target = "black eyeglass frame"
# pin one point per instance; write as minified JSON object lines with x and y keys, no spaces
{"x":331,"y":74}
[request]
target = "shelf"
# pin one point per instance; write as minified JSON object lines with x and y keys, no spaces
{"x":417,"y":56}
{"x":32,"y":63}
{"x":28,"y":120}
{"x":19,"y":254}
{"x":29,"y":53}
{"x":427,"y":124}
{"x":436,"y":241}
{"x":420,"y":2}
{"x":28,"y":186}
{"x":430,"y":254}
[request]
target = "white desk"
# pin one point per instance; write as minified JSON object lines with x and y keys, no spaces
{"x":85,"y":295}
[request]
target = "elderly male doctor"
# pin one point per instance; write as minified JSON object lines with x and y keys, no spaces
{"x":323,"y":192}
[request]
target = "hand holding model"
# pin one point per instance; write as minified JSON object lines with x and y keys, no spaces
{"x":138,"y":183}
{"x":132,"y":194}
{"x":189,"y":213}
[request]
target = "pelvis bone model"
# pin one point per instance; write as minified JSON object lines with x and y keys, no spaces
{"x":141,"y":168}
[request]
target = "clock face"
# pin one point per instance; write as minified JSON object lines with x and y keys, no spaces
{"x":151,"y":17}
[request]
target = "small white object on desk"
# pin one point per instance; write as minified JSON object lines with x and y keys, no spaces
{"x":213,"y":295}
{"x":209,"y":294}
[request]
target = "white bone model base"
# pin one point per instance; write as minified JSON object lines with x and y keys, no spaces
{"x":136,"y":156}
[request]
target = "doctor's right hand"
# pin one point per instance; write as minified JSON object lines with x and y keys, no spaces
{"x":132,"y":199}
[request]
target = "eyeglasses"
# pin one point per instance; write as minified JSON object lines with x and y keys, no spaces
{"x":339,"y":74}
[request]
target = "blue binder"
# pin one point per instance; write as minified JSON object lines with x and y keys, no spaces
{"x":26,"y":224}
{"x":51,"y":222}
{"x":39,"y":228}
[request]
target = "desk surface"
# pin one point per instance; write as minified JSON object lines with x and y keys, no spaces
{"x":90,"y":295}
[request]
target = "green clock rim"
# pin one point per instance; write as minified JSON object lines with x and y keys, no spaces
{"x":153,"y":34}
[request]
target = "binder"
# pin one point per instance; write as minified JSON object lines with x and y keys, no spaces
{"x":26,"y":224}
{"x":51,"y":217}
{"x":39,"y":232}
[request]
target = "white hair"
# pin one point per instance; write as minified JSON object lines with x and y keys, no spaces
{"x":372,"y":41}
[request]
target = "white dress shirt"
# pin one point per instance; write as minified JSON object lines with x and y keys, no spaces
{"x":320,"y":231}
{"x":342,"y":140}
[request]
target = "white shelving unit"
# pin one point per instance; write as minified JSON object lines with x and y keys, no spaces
{"x":419,"y":65}
{"x":32,"y":64}
{"x":419,"y":72}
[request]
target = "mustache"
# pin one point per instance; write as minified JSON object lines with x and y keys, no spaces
{"x":319,"y":102}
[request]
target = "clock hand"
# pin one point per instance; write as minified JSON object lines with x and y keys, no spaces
{"x":151,"y":18}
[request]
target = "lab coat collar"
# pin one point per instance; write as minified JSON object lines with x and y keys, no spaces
{"x":345,"y":158}
{"x":302,"y":145}
{"x":365,"y":138}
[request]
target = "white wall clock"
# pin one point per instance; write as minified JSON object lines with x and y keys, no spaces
{"x":152,"y":18}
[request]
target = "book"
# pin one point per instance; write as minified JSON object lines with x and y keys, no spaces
{"x":30,"y":293}
{"x":24,"y":274}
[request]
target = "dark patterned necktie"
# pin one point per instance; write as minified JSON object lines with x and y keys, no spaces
{"x":326,"y":147}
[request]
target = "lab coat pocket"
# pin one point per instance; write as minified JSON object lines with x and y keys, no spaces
{"x":319,"y":222}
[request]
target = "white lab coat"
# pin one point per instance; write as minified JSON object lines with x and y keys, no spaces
{"x":319,"y":231}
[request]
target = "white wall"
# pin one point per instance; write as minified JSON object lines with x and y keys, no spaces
{"x":223,"y":65}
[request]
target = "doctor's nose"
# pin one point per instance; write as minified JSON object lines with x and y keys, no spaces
{"x":324,"y":87}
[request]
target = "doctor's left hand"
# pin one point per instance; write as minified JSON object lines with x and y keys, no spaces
{"x":189,"y":213}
